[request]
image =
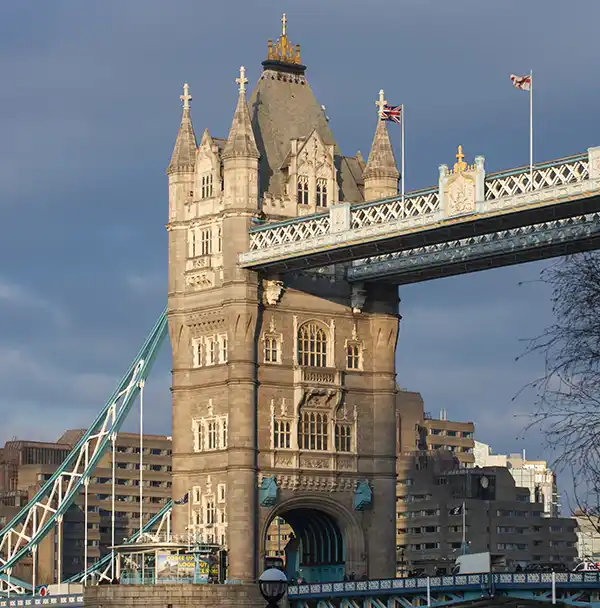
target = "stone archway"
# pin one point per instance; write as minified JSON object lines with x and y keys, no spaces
{"x":328,"y":541}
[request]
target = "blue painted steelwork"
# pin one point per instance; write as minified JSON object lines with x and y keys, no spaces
{"x":267,"y":494}
{"x":21,"y":534}
{"x":363,"y":496}
{"x":543,"y":240}
{"x":105,"y":561}
{"x":571,"y":588}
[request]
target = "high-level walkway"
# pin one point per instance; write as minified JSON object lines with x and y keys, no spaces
{"x":468,"y":222}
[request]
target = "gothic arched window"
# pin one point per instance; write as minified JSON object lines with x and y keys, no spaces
{"x":321,"y":193}
{"x":303,"y":190}
{"x":312,"y":345}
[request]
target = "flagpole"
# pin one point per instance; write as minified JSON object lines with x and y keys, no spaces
{"x":531,"y":128}
{"x":189,"y":526}
{"x":464,"y":528}
{"x":402,"y":153}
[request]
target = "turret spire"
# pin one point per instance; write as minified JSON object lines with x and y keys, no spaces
{"x":241,"y":142}
{"x":184,"y":151}
{"x":381,"y":174}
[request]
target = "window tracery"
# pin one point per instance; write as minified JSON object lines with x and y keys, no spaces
{"x":321,"y":198}
{"x":302,"y":190}
{"x":272,"y":344}
{"x":210,"y":432}
{"x":312,"y":345}
{"x":354,"y":352}
{"x":209,"y":514}
{"x":209,"y":350}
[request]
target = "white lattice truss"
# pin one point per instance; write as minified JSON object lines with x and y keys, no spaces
{"x":418,"y":209}
{"x":18,"y":539}
{"x":463,"y":250}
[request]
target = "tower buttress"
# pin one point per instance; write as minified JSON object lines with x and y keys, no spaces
{"x":240,"y":181}
{"x":381,"y":174}
{"x":181,"y":185}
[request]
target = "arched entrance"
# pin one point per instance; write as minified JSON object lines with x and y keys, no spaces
{"x":318,"y":544}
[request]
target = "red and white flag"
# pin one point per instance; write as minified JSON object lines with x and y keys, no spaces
{"x":521,"y":82}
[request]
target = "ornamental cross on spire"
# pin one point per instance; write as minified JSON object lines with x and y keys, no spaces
{"x":283,"y":24}
{"x":460,"y":165}
{"x":242,"y":80}
{"x":186,"y":97}
{"x":381,"y":103}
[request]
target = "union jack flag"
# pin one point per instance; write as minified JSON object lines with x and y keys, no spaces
{"x":391,"y":113}
{"x":521,"y":82}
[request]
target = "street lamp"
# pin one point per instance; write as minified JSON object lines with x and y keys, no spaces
{"x":273,"y":585}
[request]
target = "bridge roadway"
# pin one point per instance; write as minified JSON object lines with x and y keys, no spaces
{"x":576,"y":589}
{"x":470,"y":221}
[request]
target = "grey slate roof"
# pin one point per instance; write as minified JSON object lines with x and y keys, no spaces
{"x":283,"y":107}
{"x":184,"y":151}
{"x":382,"y":162}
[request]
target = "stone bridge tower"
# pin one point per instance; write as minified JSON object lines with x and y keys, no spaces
{"x":283,"y":386}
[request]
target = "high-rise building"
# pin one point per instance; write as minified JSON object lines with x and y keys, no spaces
{"x":588,"y":536}
{"x":535,"y":475}
{"x":437,"y":491}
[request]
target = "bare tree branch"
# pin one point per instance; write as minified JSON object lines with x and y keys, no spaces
{"x":567,"y":396}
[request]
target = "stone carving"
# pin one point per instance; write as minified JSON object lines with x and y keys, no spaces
{"x":346,"y":464}
{"x":203,"y":323}
{"x":200,"y":281}
{"x":316,"y":398}
{"x":358,"y":297}
{"x":284,"y":461}
{"x":314,"y":483}
{"x":313,"y":462}
{"x":460,"y":195}
{"x":273,"y":290}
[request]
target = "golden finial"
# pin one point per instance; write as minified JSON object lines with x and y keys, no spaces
{"x":283,"y":50}
{"x":460,"y":165}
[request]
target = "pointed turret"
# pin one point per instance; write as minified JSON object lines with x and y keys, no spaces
{"x":183,"y":158}
{"x":381,"y":174}
{"x":241,"y":142}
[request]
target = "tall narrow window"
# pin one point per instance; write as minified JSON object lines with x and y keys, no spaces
{"x":223,"y":433}
{"x":312,"y":346}
{"x":211,"y":350}
{"x":353,"y":356}
{"x":313,"y":432}
{"x":223,"y":348}
{"x":210,"y":511}
{"x":206,"y":185}
{"x":321,"y":193}
{"x":193,"y":244}
{"x":281,"y":434}
{"x":212,"y":435}
{"x":219,"y":239}
{"x":271,"y":350}
{"x":343,"y":438}
{"x":303,"y":190}
{"x":205,"y":242}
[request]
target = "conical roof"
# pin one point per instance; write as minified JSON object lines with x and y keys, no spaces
{"x":184,"y":151}
{"x":382,"y":162}
{"x":241,"y":140}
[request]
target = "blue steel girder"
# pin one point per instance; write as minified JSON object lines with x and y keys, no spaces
{"x":493,"y":250}
{"x":560,"y":189}
{"x":570,"y":588}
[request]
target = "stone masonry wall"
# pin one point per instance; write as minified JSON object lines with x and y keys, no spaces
{"x":173,"y":596}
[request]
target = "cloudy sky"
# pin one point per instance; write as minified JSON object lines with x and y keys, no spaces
{"x":89,"y":109}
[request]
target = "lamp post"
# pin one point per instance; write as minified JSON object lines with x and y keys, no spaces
{"x":273,"y":585}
